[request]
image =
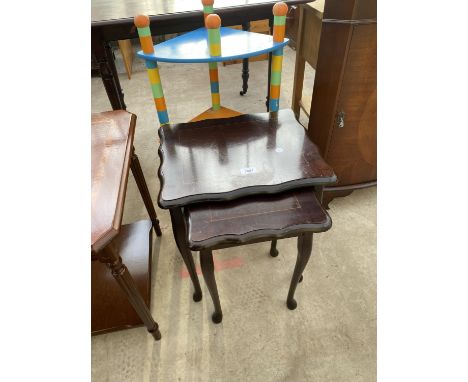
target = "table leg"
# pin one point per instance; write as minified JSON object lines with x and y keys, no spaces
{"x":273,"y":250}
{"x":121,"y":274}
{"x":245,"y":65}
{"x":304,"y":250}
{"x":145,"y":194}
{"x":267,"y":103}
{"x":207,"y":266}
{"x":103,"y":55}
{"x":179,"y":231}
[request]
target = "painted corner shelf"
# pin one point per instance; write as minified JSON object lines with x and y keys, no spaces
{"x":193,"y":46}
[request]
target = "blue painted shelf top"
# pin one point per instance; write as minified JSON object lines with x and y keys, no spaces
{"x":193,"y":46}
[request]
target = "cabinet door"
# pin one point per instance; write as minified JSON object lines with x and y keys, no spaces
{"x":352,"y":151}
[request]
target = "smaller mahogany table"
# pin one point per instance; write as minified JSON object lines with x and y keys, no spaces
{"x":253,"y":219}
{"x":125,"y":303}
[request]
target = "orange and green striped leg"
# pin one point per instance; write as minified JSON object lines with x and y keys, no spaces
{"x":156,"y":89}
{"x":144,"y":33}
{"x":213,"y":24}
{"x":212,"y":66}
{"x":214,"y":83}
{"x":279,"y":24}
{"x":275,"y":79}
{"x":207,"y":8}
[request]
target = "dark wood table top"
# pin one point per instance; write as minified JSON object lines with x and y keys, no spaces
{"x":112,"y":136}
{"x":220,"y":159}
{"x":109,"y":11}
{"x":240,"y":221}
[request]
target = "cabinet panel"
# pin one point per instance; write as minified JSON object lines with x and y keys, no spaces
{"x":334,"y":41}
{"x":353,"y":148}
{"x":365,"y":9}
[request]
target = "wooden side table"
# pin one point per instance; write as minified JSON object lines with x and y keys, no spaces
{"x":217,"y":160}
{"x":217,"y":225}
{"x":125,"y":303}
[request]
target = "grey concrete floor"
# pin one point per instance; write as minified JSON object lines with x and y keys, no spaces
{"x":331,"y":336}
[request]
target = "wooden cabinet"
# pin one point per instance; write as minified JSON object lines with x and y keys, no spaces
{"x":343,"y":113}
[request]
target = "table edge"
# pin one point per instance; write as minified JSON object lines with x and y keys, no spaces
{"x":105,"y":239}
{"x":237,"y":193}
{"x":219,"y":11}
{"x":254,"y":236}
{"x":144,"y":56}
{"x":242,"y":192}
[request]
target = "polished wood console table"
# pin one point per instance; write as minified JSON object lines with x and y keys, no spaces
{"x":121,"y":279}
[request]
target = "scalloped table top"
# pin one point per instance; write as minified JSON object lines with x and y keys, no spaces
{"x":240,"y":221}
{"x":224,"y":159}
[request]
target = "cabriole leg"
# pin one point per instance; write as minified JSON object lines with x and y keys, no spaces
{"x":273,"y":250}
{"x":207,"y":266}
{"x":304,"y":250}
{"x":179,"y":231}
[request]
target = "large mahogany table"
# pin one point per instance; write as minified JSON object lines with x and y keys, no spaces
{"x":126,"y":249}
{"x":112,"y":20}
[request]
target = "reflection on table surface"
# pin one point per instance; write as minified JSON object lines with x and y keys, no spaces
{"x":214,"y":158}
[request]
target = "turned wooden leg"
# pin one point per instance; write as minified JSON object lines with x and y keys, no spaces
{"x":179,"y":231}
{"x":273,"y":251}
{"x":270,"y":57}
{"x":245,"y":66}
{"x":207,"y":266}
{"x":121,"y":274}
{"x":304,"y":249}
{"x":104,"y":58}
{"x":145,"y":194}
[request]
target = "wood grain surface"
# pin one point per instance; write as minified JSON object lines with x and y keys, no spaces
{"x":112,"y":136}
{"x":255,"y":217}
{"x":223,"y":159}
{"x":110,"y":307}
{"x":353,"y":149}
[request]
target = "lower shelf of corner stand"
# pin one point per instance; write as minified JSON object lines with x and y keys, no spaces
{"x":223,"y":112}
{"x":110,"y":308}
